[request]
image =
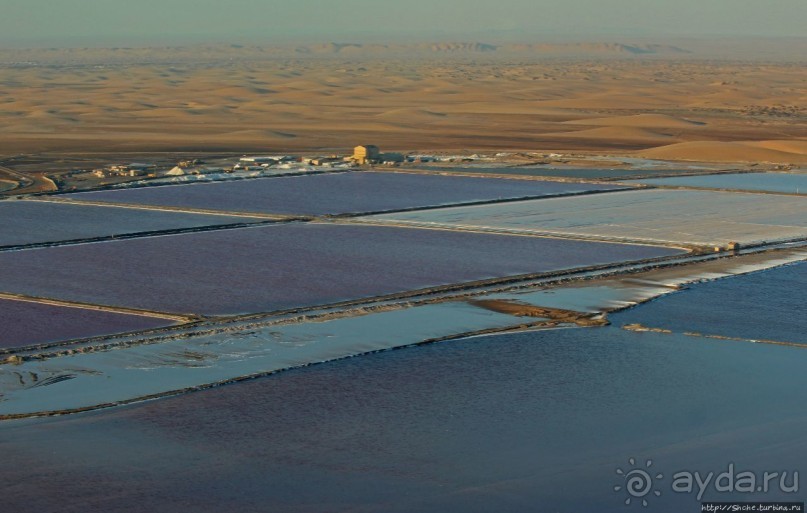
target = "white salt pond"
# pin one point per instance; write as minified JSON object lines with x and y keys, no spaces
{"x":789,"y":183}
{"x":652,"y":216}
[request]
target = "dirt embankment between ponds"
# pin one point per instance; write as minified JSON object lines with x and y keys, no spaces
{"x":521,"y":309}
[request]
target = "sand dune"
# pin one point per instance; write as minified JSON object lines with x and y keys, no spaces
{"x":610,"y":100}
{"x":617,"y":133}
{"x":709,"y":151}
{"x":252,"y":100}
{"x":411,"y":114}
{"x":640,"y":120}
{"x":797,"y":146}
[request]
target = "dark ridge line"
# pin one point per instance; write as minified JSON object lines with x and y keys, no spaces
{"x":749,"y":340}
{"x":690,"y":247}
{"x":685,"y":174}
{"x":77,"y":345}
{"x":640,"y":328}
{"x":638,"y":268}
{"x":254,"y":376}
{"x":715,"y":189}
{"x":477,"y":203}
{"x":154,"y":314}
{"x":155,"y":208}
{"x":604,"y":180}
{"x":499,"y":176}
{"x":686,"y":286}
{"x":694,"y":248}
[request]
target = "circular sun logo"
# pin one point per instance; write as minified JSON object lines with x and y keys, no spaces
{"x":638,"y":482}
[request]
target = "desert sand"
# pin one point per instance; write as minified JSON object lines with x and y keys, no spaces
{"x":651,"y":101}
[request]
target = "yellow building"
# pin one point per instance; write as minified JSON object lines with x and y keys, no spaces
{"x":366,"y":154}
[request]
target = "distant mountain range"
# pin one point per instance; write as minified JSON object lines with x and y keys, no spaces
{"x":477,"y":47}
{"x":210,"y":53}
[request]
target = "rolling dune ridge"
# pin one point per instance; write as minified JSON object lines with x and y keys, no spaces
{"x":105,"y":100}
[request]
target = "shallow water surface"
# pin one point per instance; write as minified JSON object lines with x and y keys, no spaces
{"x":337,"y":193}
{"x":292,"y":265}
{"x":33,"y":222}
{"x":530,"y":421}
{"x":793,"y":183}
{"x":584,"y":173}
{"x":87,"y":380}
{"x":24,"y":323}
{"x":523,"y":422}
{"x":659,"y":216}
{"x":767,"y":305}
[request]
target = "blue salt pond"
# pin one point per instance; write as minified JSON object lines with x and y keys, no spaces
{"x":767,"y":305}
{"x":536,"y":421}
{"x":337,"y":193}
{"x":277,"y":267}
{"x":23,"y":323}
{"x":35,"y":222}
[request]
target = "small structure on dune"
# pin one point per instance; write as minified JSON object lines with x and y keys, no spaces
{"x":177,"y":171}
{"x":731,"y":246}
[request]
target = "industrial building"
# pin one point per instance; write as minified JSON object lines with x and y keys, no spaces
{"x":371,"y":154}
{"x":366,"y":154}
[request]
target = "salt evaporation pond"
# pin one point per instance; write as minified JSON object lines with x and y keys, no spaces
{"x":519,"y":422}
{"x":34,"y":222}
{"x":286,"y":266}
{"x":336,"y":193}
{"x":551,"y":172}
{"x":534,"y":421}
{"x":161,"y":363}
{"x":25,"y":323}
{"x":196,"y":359}
{"x":767,"y":305}
{"x":792,"y":183}
{"x":660,"y":216}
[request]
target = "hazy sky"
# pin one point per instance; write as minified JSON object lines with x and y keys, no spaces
{"x":53,"y":22}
